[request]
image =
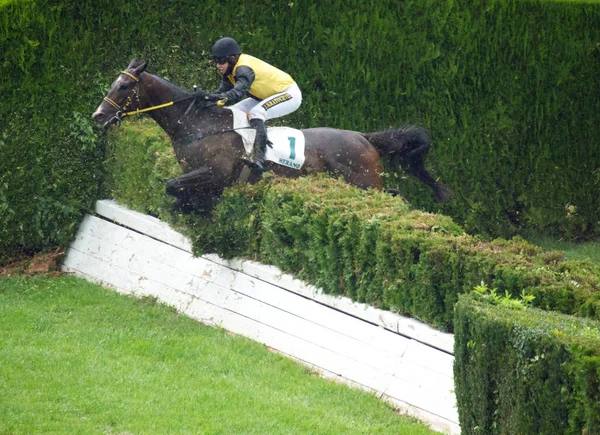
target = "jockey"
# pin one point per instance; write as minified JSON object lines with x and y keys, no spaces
{"x":271,"y":93}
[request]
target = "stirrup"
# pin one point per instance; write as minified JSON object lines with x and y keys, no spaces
{"x":253,"y":165}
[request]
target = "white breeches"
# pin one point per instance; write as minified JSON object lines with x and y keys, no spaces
{"x":275,"y":106}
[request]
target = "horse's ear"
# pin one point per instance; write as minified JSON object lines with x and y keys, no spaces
{"x":140,"y":69}
{"x":134,"y":63}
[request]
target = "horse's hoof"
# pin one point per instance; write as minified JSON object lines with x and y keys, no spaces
{"x":180,"y":206}
{"x":393,"y":192}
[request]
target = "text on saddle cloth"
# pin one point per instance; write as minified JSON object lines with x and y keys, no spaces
{"x":287,"y":143}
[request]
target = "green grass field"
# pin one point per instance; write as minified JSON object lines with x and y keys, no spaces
{"x":76,"y":358}
{"x":589,"y":250}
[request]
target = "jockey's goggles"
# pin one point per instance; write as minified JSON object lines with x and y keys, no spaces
{"x":221,"y":60}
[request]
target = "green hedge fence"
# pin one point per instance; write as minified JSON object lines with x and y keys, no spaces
{"x":525,"y":371}
{"x":508,"y":90}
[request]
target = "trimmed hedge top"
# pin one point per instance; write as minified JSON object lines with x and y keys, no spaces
{"x":372,"y":247}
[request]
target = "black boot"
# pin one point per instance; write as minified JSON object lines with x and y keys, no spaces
{"x":260,"y":144}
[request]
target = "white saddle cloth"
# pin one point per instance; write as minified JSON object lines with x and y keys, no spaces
{"x":288,"y":143}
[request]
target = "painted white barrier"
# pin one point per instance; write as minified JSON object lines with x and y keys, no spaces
{"x":402,"y":360}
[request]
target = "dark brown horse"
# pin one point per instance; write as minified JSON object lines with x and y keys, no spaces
{"x":211,"y":154}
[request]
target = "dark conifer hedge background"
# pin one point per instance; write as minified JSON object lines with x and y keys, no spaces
{"x":509,"y":91}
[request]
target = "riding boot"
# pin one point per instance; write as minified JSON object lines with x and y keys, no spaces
{"x":260,"y":144}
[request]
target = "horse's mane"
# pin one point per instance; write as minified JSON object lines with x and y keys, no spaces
{"x":173,"y":85}
{"x":139,"y":64}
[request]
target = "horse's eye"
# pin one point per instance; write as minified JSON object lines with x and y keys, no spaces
{"x":122,"y":87}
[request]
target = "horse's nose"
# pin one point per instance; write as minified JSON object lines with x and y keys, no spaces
{"x":98,"y":116}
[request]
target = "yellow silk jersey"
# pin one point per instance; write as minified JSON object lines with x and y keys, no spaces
{"x":268,"y":80}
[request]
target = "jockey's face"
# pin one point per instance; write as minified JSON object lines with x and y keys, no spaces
{"x":225,"y":65}
{"x":222,"y":67}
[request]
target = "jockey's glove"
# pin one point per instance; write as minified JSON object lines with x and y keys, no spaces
{"x":215,"y":96}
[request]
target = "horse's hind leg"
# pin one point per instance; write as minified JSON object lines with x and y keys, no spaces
{"x":364,"y":173}
{"x":416,"y":167}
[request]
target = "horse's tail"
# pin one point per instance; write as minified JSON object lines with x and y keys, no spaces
{"x":408,"y":146}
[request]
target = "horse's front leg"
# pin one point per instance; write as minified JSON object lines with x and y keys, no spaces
{"x":196,"y":191}
{"x":202,"y":179}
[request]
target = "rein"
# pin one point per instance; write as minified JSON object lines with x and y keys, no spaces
{"x":122,"y":111}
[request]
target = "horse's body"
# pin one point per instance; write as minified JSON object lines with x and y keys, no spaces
{"x":211,"y":155}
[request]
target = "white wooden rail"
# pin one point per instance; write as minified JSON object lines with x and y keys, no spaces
{"x":402,"y":360}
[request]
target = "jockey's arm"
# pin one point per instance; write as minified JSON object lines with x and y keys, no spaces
{"x":243,"y":80}
{"x":224,"y":86}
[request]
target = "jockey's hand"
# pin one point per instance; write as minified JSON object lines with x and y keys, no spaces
{"x":214,"y":96}
{"x":198,"y":94}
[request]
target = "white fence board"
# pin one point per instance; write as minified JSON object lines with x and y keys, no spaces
{"x":417,"y":377}
{"x":161,"y":231}
{"x":130,"y":282}
{"x":244,"y":284}
{"x":148,"y":225}
{"x":281,"y":312}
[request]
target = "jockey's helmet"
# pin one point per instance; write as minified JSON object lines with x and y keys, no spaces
{"x":224,"y":48}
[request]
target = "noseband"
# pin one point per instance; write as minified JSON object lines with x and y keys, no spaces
{"x":122,"y":111}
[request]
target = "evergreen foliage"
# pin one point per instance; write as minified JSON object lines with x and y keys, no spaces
{"x":509,"y":91}
{"x":366,"y":245}
{"x":374,"y":248}
{"x":525,"y":370}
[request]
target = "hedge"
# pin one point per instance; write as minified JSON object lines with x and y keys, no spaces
{"x":525,"y":371}
{"x":374,"y":248}
{"x":366,"y":245}
{"x":508,"y":90}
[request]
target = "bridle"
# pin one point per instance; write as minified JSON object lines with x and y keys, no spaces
{"x":122,"y":112}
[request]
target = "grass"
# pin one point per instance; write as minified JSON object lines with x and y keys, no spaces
{"x":589,"y":250}
{"x":77,"y":358}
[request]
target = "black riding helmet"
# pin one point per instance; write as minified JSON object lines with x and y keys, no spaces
{"x":224,"y":48}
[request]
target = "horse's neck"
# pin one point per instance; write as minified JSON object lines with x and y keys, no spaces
{"x":156,"y":92}
{"x":176,"y":120}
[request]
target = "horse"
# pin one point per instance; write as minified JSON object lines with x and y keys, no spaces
{"x":212,"y":156}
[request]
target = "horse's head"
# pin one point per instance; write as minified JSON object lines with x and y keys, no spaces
{"x":122,"y":96}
